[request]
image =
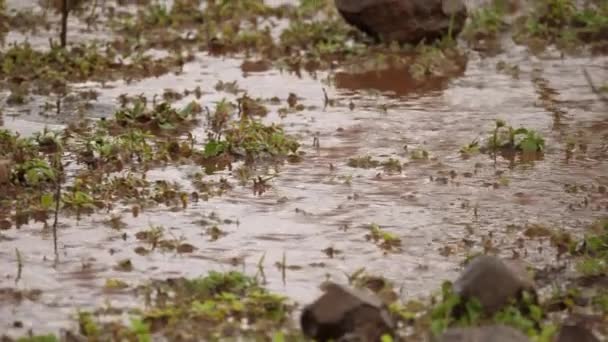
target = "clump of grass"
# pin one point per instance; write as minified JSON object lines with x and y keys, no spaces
{"x":213,"y":306}
{"x":34,"y":172}
{"x":364,"y":162}
{"x":436,"y":61}
{"x":485,"y":23}
{"x":525,"y":315}
{"x":470,"y":149}
{"x":594,"y":251}
{"x":250,"y":138}
{"x":562,"y":22}
{"x":50,"y":71}
{"x":161,"y":117}
{"x":386,"y":240}
{"x":507,"y":138}
{"x":320,"y":38}
{"x":392,"y":165}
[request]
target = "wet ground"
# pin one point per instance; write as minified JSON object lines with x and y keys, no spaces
{"x":442,"y":209}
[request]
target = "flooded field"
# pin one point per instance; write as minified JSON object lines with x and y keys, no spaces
{"x":311,"y":220}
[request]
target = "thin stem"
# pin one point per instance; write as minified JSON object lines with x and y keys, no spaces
{"x":64,"y":22}
{"x":57,"y":202}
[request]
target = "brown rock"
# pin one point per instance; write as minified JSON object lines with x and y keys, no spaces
{"x":346,"y":314}
{"x":575,"y":333}
{"x":490,"y":333}
{"x":404,"y":21}
{"x":5,"y":171}
{"x":493,"y":282}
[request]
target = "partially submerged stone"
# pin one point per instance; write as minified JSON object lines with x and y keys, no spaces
{"x":493,"y":282}
{"x":404,"y":21}
{"x":490,"y":333}
{"x":346,"y":314}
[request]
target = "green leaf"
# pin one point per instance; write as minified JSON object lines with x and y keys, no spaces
{"x":214,"y":148}
{"x":386,"y":338}
{"x":529,"y":145}
{"x":278,"y":337}
{"x":187,"y":111}
{"x":47,"y":201}
{"x":520,"y":131}
{"x":166,"y":126}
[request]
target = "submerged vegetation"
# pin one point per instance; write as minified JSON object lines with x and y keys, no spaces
{"x":50,"y":71}
{"x":135,"y":139}
{"x":565,"y":23}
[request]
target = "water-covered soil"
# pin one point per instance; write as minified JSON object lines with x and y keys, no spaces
{"x":315,"y":214}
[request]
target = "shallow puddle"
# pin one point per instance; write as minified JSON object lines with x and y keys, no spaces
{"x":442,"y":209}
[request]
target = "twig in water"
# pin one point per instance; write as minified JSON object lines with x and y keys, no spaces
{"x":19,"y":265}
{"x":64,"y":22}
{"x":284,"y":268}
{"x":57,"y":201}
{"x":261,"y":269}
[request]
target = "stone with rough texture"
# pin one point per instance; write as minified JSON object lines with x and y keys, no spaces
{"x":404,"y":21}
{"x":490,"y":333}
{"x":346,"y":314}
{"x":575,"y":333}
{"x":493,"y":282}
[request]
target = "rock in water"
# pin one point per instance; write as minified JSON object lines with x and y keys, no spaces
{"x":404,"y":21}
{"x":493,"y":282}
{"x":343,"y":314}
{"x":490,"y":333}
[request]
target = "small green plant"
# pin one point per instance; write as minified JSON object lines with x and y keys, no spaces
{"x":386,"y":240}
{"x":470,"y":149}
{"x":47,"y":140}
{"x":34,"y":172}
{"x":141,"y":330}
{"x":591,"y":267}
{"x":250,"y":138}
{"x":152,"y":236}
{"x":78,"y":200}
{"x":87,"y":324}
{"x":505,"y":137}
{"x":365,"y":162}
{"x":115,"y":284}
{"x":392,"y":165}
{"x":419,"y":154}
{"x":562,"y":22}
{"x":162,"y":116}
{"x":485,"y":23}
{"x":523,"y":314}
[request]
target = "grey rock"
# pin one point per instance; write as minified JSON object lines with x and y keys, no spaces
{"x":493,"y":282}
{"x":404,"y":21}
{"x":346,"y":314}
{"x":490,"y":333}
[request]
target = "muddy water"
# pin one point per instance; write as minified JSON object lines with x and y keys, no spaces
{"x":433,"y":206}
